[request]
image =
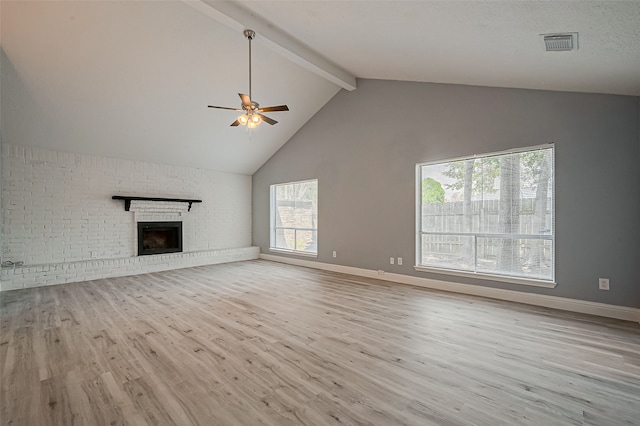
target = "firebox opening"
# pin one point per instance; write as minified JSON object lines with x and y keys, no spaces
{"x":159,"y":237}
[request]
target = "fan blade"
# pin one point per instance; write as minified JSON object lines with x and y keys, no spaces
{"x":219,"y":107}
{"x":235,"y":123}
{"x":268,"y":120}
{"x":275,"y":108}
{"x":246,"y":100}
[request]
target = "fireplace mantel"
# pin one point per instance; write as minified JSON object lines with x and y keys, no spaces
{"x":127,"y":200}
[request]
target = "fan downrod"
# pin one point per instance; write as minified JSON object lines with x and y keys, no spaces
{"x":249,"y":34}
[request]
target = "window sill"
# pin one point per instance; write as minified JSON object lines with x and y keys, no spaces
{"x":490,"y":277}
{"x":293,"y":252}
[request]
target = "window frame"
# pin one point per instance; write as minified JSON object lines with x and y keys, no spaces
{"x":513,"y":279}
{"x":272,"y":222}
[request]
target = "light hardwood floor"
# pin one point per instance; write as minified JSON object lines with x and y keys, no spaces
{"x":265,"y":343}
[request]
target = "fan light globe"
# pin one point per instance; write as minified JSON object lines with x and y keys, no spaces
{"x":256,"y":119}
{"x":252,"y":125}
{"x":243,"y":119}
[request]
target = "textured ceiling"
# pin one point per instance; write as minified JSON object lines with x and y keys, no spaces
{"x":485,"y":43}
{"x":132,"y":79}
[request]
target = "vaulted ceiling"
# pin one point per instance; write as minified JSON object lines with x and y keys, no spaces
{"x":131,"y":79}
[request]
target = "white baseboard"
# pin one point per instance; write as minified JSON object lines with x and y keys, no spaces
{"x":565,"y":304}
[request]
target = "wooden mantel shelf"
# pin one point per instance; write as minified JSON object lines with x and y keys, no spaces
{"x":127,"y":200}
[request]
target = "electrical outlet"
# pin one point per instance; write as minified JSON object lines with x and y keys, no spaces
{"x":334,"y":253}
{"x":399,"y":261}
{"x":391,"y":261}
{"x":603,"y":283}
{"x":380,"y":272}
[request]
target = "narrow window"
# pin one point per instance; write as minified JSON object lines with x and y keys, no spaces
{"x":488,"y":215}
{"x":294,"y":217}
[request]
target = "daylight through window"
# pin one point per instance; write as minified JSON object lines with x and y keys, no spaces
{"x":294,"y":217}
{"x":491,"y":214}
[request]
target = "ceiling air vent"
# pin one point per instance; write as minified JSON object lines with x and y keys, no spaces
{"x":560,"y":42}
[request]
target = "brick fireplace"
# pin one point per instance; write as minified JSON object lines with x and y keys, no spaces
{"x":61,"y":224}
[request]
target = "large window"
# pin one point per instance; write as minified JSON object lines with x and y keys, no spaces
{"x":294,"y":217}
{"x":489,"y":215}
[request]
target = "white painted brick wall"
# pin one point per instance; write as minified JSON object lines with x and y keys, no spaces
{"x":58,"y":207}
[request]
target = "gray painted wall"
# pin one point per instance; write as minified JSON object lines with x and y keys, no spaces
{"x":1,"y":209}
{"x":2,"y":59}
{"x":363,"y":147}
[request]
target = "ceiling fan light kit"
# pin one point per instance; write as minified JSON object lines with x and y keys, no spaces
{"x":252,"y":113}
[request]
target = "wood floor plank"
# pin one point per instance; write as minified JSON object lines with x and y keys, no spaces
{"x":262,"y":343}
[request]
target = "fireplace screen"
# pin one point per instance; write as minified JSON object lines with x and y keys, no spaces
{"x":159,"y":237}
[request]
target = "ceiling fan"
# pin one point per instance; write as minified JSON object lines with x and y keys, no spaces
{"x":252,"y":115}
